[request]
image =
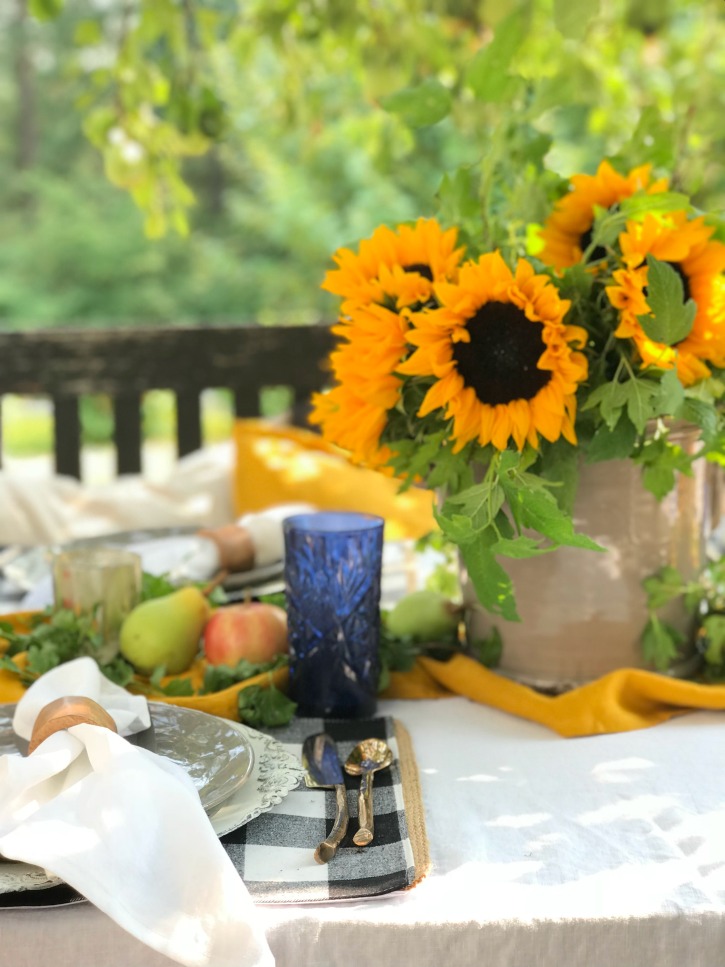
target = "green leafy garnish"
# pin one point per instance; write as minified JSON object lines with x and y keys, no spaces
{"x":158,"y":586}
{"x":177,"y":686}
{"x":51,"y":643}
{"x":265,"y":707}
{"x":702,"y":597}
{"x":277,"y":598}
{"x":396,"y":654}
{"x":155,"y":586}
{"x":219,"y":677}
{"x":118,"y":671}
{"x":488,"y":650}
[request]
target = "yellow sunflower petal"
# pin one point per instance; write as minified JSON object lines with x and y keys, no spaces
{"x":685,"y":245}
{"x":565,"y":232}
{"x":502,"y":372}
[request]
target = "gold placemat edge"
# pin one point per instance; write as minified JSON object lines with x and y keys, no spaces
{"x":413,"y":799}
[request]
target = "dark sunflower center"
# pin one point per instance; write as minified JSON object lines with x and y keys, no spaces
{"x":585,"y":240}
{"x":421,"y":269}
{"x":499,"y":363}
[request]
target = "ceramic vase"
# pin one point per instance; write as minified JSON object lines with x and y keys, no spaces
{"x":583,"y":612}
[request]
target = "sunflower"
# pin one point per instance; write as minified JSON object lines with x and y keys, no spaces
{"x":396,"y":268}
{"x":500,"y":355}
{"x":568,"y":231}
{"x":685,"y":245}
{"x":352,"y":414}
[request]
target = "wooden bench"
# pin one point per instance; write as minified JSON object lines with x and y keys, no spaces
{"x":66,"y":364}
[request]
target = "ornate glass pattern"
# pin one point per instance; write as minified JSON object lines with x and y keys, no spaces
{"x":332,"y":572}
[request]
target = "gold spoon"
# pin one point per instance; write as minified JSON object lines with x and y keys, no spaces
{"x":367,"y":758}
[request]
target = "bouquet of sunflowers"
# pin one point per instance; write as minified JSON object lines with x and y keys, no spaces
{"x":493,"y":381}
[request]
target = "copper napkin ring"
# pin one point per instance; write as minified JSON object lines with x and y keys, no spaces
{"x":65,"y":712}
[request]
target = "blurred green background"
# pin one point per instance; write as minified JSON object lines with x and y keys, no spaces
{"x":176,"y":162}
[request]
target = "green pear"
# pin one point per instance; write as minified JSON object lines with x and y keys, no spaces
{"x":165,"y":631}
{"x":424,"y":616}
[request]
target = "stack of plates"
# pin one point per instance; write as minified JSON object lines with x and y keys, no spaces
{"x":238,"y":772}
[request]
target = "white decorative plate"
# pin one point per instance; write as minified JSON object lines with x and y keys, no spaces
{"x":274,"y":774}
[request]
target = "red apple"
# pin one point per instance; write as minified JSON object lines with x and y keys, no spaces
{"x":254,"y":631}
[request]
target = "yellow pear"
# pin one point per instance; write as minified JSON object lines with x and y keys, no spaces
{"x":165,"y":631}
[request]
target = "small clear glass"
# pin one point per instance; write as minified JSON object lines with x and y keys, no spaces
{"x":101,"y":583}
{"x":333,"y":563}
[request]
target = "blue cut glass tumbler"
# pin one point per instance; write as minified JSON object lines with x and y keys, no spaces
{"x":332,"y":573}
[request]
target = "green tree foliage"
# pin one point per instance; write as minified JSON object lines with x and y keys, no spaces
{"x":280,"y":129}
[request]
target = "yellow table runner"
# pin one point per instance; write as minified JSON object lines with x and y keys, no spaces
{"x":621,"y":701}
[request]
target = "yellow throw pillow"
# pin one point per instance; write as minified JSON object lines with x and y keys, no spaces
{"x":279,"y":465}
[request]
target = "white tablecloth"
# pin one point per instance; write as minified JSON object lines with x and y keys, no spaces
{"x":547,"y":852}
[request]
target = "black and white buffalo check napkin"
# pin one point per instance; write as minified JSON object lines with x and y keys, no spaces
{"x":274,"y":852}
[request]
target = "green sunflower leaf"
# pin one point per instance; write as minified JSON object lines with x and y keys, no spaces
{"x":420,"y":106}
{"x":660,"y":643}
{"x":503,"y":526}
{"x":608,"y":223}
{"x":457,"y":527}
{"x":640,"y":395}
{"x":534,"y":507}
{"x":560,"y":466}
{"x":612,"y":444}
{"x":423,"y":454}
{"x":662,"y":201}
{"x":671,"y":394}
{"x":458,"y":196}
{"x":487,"y":74}
{"x":703,"y":414}
{"x":444,"y":467}
{"x":659,"y":480}
{"x":576,"y":282}
{"x":611,"y":399}
{"x":492,"y":584}
{"x":661,"y":461}
{"x":663,"y":587}
{"x":478,"y":504}
{"x":45,"y":9}
{"x":572,"y":19}
{"x":519,"y":547}
{"x":672,"y":318}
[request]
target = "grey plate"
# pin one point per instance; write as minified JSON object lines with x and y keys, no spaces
{"x":217,"y":757}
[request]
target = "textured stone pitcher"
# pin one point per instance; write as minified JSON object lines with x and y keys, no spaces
{"x":583,"y":611}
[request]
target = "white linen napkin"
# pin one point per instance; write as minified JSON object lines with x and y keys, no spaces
{"x":125,"y":828}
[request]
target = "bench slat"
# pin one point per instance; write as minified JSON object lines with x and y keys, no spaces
{"x":188,"y":422}
{"x":67,"y":443}
{"x":246,"y":401}
{"x":127,"y":432}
